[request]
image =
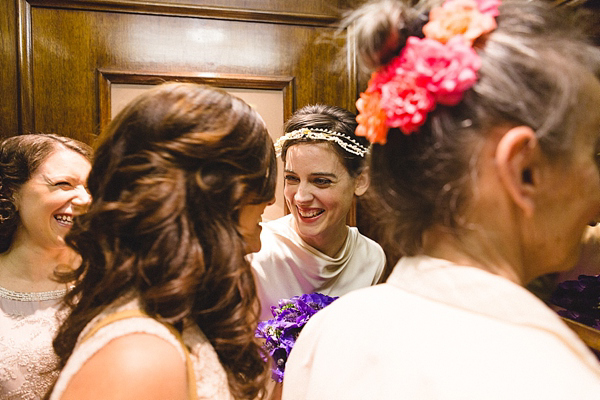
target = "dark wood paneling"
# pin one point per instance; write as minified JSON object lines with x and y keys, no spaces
{"x":69,"y":46}
{"x":290,"y":11}
{"x":9,"y":99}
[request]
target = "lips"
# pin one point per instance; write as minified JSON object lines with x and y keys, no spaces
{"x":64,"y":219}
{"x":310,"y":213}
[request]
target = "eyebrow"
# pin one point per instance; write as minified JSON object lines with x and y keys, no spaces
{"x":327,"y":174}
{"x":56,"y":178}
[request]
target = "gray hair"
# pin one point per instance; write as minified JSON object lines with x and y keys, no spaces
{"x":531,"y":75}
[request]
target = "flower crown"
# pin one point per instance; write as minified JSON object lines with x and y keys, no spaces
{"x":345,"y":142}
{"x":436,"y":69}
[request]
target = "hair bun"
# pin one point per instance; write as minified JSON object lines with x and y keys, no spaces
{"x":381,"y":30}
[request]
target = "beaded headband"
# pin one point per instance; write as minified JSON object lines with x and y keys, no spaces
{"x":345,"y":142}
{"x":438,"y":68}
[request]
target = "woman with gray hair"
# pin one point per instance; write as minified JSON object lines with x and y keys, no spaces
{"x":485,"y":168}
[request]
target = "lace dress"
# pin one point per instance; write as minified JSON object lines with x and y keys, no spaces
{"x":28,"y":323}
{"x":211,"y":378}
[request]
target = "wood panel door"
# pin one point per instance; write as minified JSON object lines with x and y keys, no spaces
{"x":63,"y":46}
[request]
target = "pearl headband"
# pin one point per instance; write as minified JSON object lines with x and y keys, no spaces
{"x":345,"y":142}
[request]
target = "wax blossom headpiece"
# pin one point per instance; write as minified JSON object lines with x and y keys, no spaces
{"x":438,"y":68}
{"x":345,"y":142}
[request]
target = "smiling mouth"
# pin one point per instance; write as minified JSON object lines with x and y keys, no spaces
{"x":64,"y":219}
{"x":310,"y":214}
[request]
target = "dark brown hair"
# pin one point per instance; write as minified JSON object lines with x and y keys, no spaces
{"x":332,"y":118}
{"x":530,"y":75}
{"x":171,"y":174}
{"x":20,"y":157}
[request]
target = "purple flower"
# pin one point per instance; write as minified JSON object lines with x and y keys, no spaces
{"x":580,"y":299}
{"x":281,"y":332}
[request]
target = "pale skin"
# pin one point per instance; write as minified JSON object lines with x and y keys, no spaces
{"x":529,"y":213}
{"x":125,"y":369}
{"x":57,"y":188}
{"x":319,"y":191}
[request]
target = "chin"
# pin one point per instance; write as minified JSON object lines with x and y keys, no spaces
{"x":253,"y":248}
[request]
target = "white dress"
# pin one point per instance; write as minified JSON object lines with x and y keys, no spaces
{"x":211,"y":378}
{"x":286,"y":266}
{"x":28,"y":323}
{"x":440,"y":331}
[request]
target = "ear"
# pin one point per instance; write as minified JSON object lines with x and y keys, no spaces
{"x":362,"y":182}
{"x":16,"y":199}
{"x":516,"y":155}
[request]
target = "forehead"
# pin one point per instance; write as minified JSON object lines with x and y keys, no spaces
{"x":312,"y":158}
{"x":65,"y":162}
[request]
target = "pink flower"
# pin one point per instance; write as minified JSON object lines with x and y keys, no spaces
{"x":406,"y":104}
{"x":371,"y":118}
{"x":436,"y":69}
{"x":489,"y":7}
{"x":445,"y":70}
{"x":461,"y":17}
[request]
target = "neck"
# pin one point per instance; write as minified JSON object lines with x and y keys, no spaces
{"x":330,"y":244}
{"x":30,"y":268}
{"x":476,"y":249}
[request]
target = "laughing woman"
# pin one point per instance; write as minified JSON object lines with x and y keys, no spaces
{"x":312,"y":249}
{"x":42,"y":187}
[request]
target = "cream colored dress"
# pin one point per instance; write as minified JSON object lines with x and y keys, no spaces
{"x":440,"y":331}
{"x":28,"y":323}
{"x":287,"y":266}
{"x":211,"y":379}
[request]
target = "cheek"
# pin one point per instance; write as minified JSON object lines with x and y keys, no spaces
{"x":341,"y":199}
{"x":288,"y":193}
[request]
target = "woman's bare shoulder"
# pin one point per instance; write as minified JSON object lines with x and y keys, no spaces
{"x":134,"y":366}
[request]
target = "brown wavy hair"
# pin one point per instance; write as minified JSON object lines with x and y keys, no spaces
{"x":170,"y":176}
{"x":20,"y":157}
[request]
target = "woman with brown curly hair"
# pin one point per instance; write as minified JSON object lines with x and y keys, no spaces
{"x":42,"y":189}
{"x":165,"y":305}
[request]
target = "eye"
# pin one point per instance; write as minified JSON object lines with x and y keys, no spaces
{"x":63,"y":185}
{"x":291,"y":179}
{"x":322,"y":181}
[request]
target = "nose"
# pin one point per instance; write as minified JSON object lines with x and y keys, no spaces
{"x":303,"y":194}
{"x":82,"y":197}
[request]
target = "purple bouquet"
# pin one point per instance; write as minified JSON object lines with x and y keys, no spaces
{"x":580,"y":300}
{"x":281,"y":332}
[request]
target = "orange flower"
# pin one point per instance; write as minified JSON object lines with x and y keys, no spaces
{"x":458,"y":17}
{"x":371,"y":118}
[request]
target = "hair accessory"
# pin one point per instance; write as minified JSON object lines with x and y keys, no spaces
{"x":345,"y":142}
{"x":438,"y":68}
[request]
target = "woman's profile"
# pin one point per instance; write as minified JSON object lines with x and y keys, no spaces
{"x":165,"y":305}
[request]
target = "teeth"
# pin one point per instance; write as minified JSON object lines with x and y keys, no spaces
{"x":67,"y":219}
{"x":309,"y":214}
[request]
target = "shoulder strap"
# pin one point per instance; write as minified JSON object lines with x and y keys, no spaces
{"x":191,"y":376}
